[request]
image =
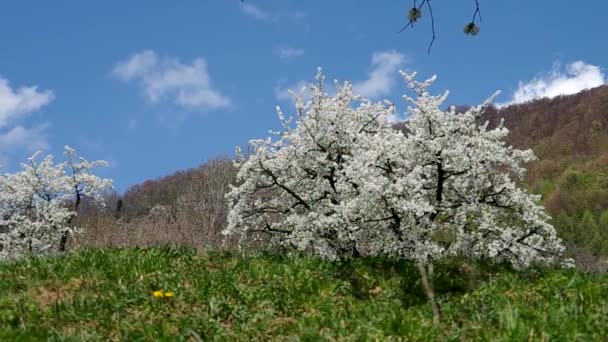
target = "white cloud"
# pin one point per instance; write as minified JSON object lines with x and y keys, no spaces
{"x":188,"y":85}
{"x":15,"y":105}
{"x":254,"y":11}
{"x":20,"y":102}
{"x":577,"y":76}
{"x":18,"y":139}
{"x":381,"y":80}
{"x":287,"y":52}
{"x":275,"y":16}
{"x":138,"y":65}
{"x":21,"y":137}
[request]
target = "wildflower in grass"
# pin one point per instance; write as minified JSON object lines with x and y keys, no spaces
{"x":162,"y":294}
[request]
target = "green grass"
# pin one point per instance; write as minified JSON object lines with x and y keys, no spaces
{"x":106,"y":294}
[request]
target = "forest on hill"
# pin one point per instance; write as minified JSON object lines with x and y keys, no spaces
{"x":568,"y":134}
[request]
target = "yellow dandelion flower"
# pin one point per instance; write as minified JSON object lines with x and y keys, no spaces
{"x":158,"y":294}
{"x":169,"y":294}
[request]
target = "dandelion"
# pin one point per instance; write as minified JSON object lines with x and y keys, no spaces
{"x":163,"y":294}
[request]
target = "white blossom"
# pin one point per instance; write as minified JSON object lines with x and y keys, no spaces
{"x":341,"y":181}
{"x":38,"y":203}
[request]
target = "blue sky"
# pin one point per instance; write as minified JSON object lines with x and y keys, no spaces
{"x":158,"y":86}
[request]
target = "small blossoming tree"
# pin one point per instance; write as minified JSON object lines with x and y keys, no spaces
{"x":38,"y":203}
{"x":343,"y":182}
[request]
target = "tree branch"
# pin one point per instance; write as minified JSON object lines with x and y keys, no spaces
{"x":289,"y":191}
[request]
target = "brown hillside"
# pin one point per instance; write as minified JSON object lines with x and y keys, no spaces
{"x":569,"y":134}
{"x":561,"y":126}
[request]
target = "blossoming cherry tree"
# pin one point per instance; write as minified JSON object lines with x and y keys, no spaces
{"x":37,"y":204}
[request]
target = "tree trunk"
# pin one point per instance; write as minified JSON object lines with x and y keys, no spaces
{"x":428,"y":289}
{"x":63,"y":242}
{"x":64,"y":237}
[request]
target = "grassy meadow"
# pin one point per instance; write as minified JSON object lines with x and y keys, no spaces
{"x":177,"y":294}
